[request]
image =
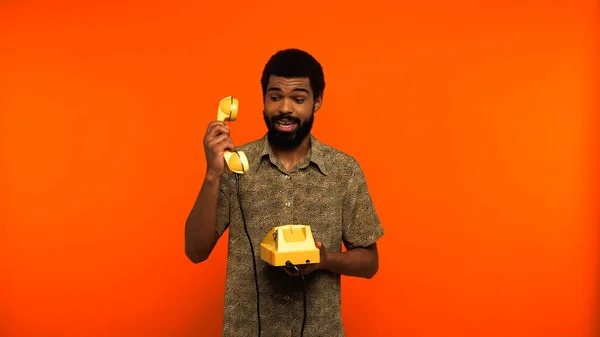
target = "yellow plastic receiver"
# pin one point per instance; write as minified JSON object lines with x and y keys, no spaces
{"x":237,"y":162}
{"x":294,"y":243}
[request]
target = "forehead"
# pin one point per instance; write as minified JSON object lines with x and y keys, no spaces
{"x":289,"y":84}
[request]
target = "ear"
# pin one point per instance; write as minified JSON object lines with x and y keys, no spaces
{"x":318,"y":103}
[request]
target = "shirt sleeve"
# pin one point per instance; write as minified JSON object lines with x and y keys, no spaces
{"x":360,"y":222}
{"x":224,"y":205}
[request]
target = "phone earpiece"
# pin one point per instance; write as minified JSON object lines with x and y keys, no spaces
{"x":236,"y":161}
{"x":228,"y":109}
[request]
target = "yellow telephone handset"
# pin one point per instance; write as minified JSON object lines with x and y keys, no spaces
{"x":236,"y":161}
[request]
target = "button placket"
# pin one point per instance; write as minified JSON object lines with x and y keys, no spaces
{"x":287,"y":202}
{"x":288,"y":197}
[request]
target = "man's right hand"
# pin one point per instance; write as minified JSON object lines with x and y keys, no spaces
{"x":216,"y":141}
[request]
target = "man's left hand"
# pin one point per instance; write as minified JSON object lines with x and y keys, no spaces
{"x":309,"y":268}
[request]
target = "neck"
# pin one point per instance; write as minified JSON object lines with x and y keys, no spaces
{"x":291,"y":157}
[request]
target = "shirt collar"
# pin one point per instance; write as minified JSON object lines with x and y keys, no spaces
{"x":315,"y":153}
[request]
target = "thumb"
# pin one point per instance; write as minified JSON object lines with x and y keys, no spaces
{"x":320,"y":245}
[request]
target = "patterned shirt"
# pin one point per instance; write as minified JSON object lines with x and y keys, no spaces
{"x":328,"y":192}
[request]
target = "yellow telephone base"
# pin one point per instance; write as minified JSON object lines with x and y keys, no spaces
{"x":292,"y":243}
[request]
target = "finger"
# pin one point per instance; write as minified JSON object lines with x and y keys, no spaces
{"x":212,"y":125}
{"x":216,"y":125}
{"x":222,"y":146}
{"x":211,"y":144}
{"x":220,"y":129}
{"x":216,"y":130}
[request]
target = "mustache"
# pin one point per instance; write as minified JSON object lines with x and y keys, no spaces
{"x":278,"y":118}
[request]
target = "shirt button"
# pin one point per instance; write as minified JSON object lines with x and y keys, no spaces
{"x":286,"y":297}
{"x":288,"y":204}
{"x":286,"y":176}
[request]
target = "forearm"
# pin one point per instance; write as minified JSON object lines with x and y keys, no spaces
{"x":360,"y":262}
{"x":200,"y":226}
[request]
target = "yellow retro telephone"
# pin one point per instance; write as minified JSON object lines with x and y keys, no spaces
{"x":293,"y":243}
{"x":237,"y":162}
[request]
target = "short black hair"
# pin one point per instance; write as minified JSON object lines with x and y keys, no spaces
{"x":294,"y":63}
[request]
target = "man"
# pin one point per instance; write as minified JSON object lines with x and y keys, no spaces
{"x":292,"y":179}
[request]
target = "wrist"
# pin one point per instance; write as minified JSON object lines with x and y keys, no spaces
{"x":325,"y":263}
{"x":212,"y":177}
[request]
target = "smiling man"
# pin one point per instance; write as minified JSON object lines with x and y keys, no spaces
{"x":293,"y":179}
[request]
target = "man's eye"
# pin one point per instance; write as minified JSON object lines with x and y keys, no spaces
{"x":274,"y":98}
{"x":299,"y":100}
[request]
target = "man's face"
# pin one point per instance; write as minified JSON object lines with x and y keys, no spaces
{"x":289,"y":110}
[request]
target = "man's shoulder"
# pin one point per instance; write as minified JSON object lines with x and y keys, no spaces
{"x":337,"y":154}
{"x":337,"y":159}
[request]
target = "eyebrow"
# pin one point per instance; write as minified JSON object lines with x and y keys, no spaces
{"x":295,"y":89}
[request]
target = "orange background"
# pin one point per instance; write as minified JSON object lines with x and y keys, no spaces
{"x":474,"y":124}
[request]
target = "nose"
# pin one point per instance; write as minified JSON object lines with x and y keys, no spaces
{"x":286,"y":106}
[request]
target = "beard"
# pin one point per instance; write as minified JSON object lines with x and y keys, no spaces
{"x":287,"y":140}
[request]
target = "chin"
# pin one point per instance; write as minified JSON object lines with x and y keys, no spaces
{"x":284,"y":140}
